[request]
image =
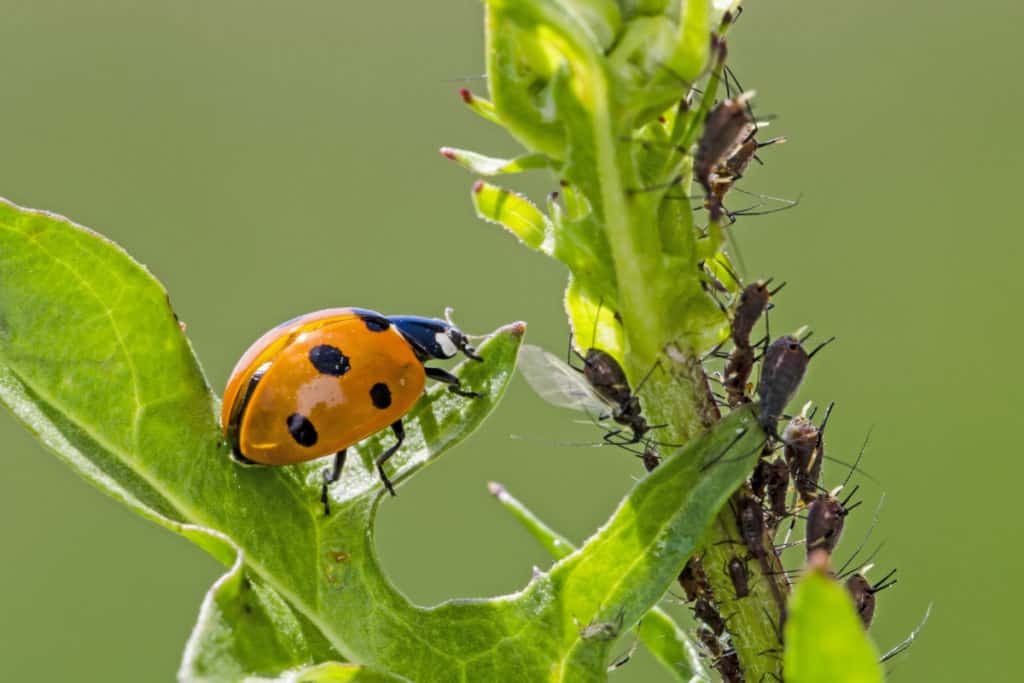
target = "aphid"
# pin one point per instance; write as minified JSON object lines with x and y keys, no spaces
{"x":602,"y":630}
{"x":709,"y":640}
{"x":825,"y":519}
{"x":753,"y":302}
{"x":650,"y":458}
{"x":863,"y":593}
{"x":321,"y":382}
{"x":804,"y":450}
{"x":740,"y":578}
{"x":599,"y":388}
{"x":776,"y":488}
{"x":725,"y":127}
{"x":750,"y":519}
{"x":782,"y":371}
{"x":708,"y":613}
{"x":728,"y":666}
{"x":693,"y":580}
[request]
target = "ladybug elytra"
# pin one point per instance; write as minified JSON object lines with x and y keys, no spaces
{"x":324,"y":381}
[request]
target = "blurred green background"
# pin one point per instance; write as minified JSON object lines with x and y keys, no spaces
{"x":267,"y":158}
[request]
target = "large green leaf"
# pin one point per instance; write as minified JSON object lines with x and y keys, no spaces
{"x":825,"y":639}
{"x":93,"y":360}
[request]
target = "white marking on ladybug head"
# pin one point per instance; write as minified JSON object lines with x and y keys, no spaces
{"x":448,"y":347}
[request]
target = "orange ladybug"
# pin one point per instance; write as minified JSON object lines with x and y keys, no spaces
{"x":321,"y":382}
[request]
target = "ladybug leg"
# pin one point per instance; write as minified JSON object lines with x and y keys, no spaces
{"x":399,"y":431}
{"x":331,"y":475}
{"x":453,"y":382}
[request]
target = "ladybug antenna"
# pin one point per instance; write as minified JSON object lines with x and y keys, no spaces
{"x":460,"y":338}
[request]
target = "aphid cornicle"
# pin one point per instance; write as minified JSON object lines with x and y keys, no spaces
{"x":321,"y":382}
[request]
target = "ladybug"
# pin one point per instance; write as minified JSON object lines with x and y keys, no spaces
{"x":321,"y":382}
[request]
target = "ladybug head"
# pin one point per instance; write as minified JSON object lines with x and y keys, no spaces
{"x":433,"y":338}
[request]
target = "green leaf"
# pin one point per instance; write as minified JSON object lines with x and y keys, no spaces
{"x":484,"y":165}
{"x":93,"y":360}
{"x":657,"y":631}
{"x":825,"y":639}
{"x":513,"y":212}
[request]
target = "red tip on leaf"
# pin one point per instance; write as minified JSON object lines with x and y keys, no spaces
{"x":448,"y":153}
{"x":478,"y":186}
{"x":661,"y":119}
{"x":466,"y":96}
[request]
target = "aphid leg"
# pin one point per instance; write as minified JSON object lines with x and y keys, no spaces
{"x":453,"y":382}
{"x":909,"y":640}
{"x":331,"y":475}
{"x":399,"y":431}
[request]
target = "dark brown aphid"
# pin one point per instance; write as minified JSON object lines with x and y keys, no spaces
{"x":804,"y":450}
{"x":728,"y":666}
{"x":759,"y":477}
{"x":825,"y":519}
{"x":753,"y":302}
{"x":724,"y":176}
{"x":737,"y":374}
{"x":863,"y":593}
{"x":650,"y":458}
{"x":709,"y":640}
{"x":608,"y":379}
{"x":693,"y":580}
{"x":725,"y":127}
{"x":708,"y":613}
{"x":750,"y":518}
{"x":783,"y":369}
{"x":739,"y":577}
{"x":776,"y":488}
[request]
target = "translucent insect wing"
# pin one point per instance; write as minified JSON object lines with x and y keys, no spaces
{"x":557,"y":383}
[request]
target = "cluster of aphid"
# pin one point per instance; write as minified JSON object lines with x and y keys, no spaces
{"x":786,"y":482}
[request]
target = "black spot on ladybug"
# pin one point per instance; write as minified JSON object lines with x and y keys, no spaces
{"x":302,"y":430}
{"x":380,"y":395}
{"x":376,"y":324}
{"x":329,"y":360}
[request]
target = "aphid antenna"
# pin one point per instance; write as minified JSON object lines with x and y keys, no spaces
{"x":657,"y":364}
{"x":868,"y":564}
{"x":775,"y":627}
{"x":459,"y":79}
{"x":909,"y":639}
{"x":732,"y":273}
{"x":849,"y":496}
{"x":867,"y":536}
{"x":735,"y":246}
{"x":736,"y":439}
{"x":824,"y":422}
{"x":860,"y":455}
{"x":787,"y":546}
{"x":672,"y":72}
{"x":652,"y":143}
{"x":655,"y":188}
{"x":624,"y":659}
{"x":768,"y":197}
{"x":820,"y":346}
